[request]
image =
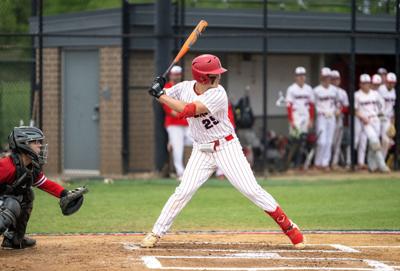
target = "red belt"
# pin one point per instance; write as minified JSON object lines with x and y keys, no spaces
{"x":217,"y":142}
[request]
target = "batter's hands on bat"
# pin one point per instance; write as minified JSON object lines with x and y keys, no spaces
{"x":157,"y":87}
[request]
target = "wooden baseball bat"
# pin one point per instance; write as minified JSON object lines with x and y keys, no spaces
{"x":201,"y":26}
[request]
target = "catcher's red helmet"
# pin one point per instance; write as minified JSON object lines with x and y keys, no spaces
{"x":204,"y":65}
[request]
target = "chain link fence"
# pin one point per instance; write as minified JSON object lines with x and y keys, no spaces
{"x":16,"y":65}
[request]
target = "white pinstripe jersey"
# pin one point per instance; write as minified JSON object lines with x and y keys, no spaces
{"x":325,"y":99}
{"x":368,"y":104}
{"x":206,"y":127}
{"x":300,"y":98}
{"x":389,"y":97}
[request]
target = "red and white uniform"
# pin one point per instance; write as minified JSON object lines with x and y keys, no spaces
{"x":178,"y":136}
{"x":389,"y":98}
{"x":326,"y":106}
{"x":343,"y":106}
{"x":226,"y":154}
{"x":8,"y":175}
{"x":368,"y":105}
{"x":300,"y":106}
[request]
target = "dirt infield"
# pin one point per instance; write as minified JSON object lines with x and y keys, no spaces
{"x":253,"y":251}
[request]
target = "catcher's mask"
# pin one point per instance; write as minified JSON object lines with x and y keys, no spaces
{"x":22,"y":136}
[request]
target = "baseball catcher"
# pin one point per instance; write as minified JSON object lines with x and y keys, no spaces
{"x":19,"y":172}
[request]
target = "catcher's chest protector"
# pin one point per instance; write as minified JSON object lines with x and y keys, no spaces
{"x":24,"y":177}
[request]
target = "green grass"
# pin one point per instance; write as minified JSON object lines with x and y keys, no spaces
{"x":135,"y":205}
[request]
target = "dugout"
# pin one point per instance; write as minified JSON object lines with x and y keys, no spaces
{"x":97,"y":115}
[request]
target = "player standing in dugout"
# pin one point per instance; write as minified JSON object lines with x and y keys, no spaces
{"x":205,"y":105}
{"x":19,"y":172}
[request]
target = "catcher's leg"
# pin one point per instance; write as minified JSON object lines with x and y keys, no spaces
{"x":240,"y":175}
{"x":15,"y":236}
{"x":199,"y":168}
{"x":10,"y":210}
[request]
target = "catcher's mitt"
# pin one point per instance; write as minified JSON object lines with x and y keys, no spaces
{"x":391,"y":131}
{"x":72,"y":201}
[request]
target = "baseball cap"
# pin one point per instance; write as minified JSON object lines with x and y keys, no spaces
{"x":391,"y":77}
{"x":176,"y":70}
{"x":300,"y":70}
{"x":335,"y":74}
{"x":382,"y":70}
{"x":325,"y":72}
{"x":365,"y":78}
{"x":376,"y":79}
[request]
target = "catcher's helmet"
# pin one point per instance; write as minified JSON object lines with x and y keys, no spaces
{"x":20,"y":138}
{"x":205,"y":65}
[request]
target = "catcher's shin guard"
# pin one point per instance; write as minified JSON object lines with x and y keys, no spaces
{"x":10,"y":210}
{"x":288,"y":227}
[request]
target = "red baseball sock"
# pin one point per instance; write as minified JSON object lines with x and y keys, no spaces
{"x":281,"y":218}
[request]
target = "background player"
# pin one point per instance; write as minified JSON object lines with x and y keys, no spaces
{"x":177,"y":128}
{"x":18,"y":173}
{"x":325,"y":96}
{"x":300,"y":109}
{"x":341,"y":128}
{"x":300,"y":104}
{"x":367,"y":106}
{"x":205,"y":103}
{"x":388,"y":93}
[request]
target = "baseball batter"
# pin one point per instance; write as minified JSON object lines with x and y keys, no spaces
{"x":367,"y":106}
{"x":300,"y":104}
{"x":205,"y":105}
{"x":343,"y":110}
{"x":326,"y":97}
{"x":388,"y":93}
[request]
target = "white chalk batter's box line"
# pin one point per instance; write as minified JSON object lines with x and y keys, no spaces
{"x":338,"y":249}
{"x":152,"y":262}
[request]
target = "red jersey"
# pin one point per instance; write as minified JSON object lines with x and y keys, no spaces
{"x":169,"y":118}
{"x":8,"y":174}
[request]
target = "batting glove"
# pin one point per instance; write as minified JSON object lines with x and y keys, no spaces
{"x":157,"y":87}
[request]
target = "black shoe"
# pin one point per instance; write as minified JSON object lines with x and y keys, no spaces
{"x":26,"y":242}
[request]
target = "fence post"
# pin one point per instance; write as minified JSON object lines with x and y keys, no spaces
{"x":162,"y":56}
{"x":125,"y":84}
{"x":352,"y":79}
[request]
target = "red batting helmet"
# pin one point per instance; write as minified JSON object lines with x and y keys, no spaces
{"x":204,"y":65}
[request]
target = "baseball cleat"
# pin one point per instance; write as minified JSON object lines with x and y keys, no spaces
{"x":150,"y":240}
{"x":11,"y":244}
{"x":296,"y":237}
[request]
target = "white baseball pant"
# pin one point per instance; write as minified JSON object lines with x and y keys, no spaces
{"x":230,"y":158}
{"x":325,"y":130}
{"x":178,"y":137}
{"x":337,"y":141}
{"x":386,"y":141}
{"x":362,"y":148}
{"x":300,"y":122}
{"x":372,"y":132}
